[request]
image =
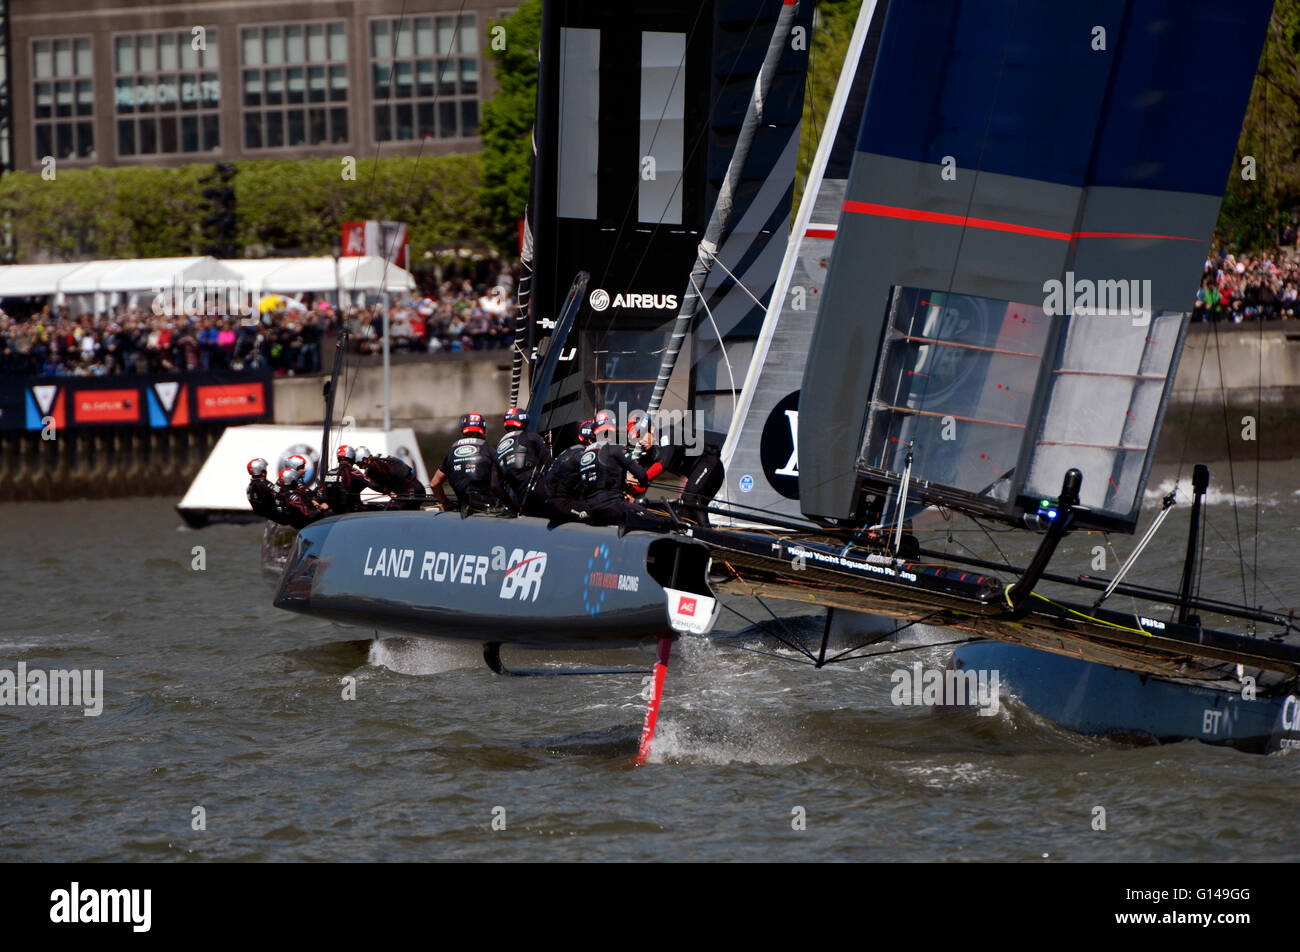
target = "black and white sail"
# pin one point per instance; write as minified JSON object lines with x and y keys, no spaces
{"x":761,"y":453}
{"x":638,"y":112}
{"x":1008,"y":291}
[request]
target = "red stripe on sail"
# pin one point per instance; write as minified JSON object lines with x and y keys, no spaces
{"x":942,"y":218}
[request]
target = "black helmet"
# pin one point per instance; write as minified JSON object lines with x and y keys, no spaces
{"x":516,"y":417}
{"x":473,"y":423}
{"x":587,"y":432}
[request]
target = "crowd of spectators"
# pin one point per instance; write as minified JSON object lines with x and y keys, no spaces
{"x":1250,"y":287}
{"x":455,"y":316}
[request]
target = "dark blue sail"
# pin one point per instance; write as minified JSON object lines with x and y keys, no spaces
{"x":1022,"y":232}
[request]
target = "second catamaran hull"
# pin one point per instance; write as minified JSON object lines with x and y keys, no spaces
{"x":1101,"y":701}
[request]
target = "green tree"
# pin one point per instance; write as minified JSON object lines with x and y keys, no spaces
{"x":1254,"y":208}
{"x":507,"y":124}
{"x":281,"y":205}
{"x":832,"y":30}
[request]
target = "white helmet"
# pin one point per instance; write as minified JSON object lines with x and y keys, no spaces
{"x":257,"y":467}
{"x":289,"y":476}
{"x":298,"y":462}
{"x":347,"y":454}
{"x":363,"y":454}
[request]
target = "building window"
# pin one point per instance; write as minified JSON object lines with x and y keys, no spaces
{"x":167,"y":92}
{"x":424,"y":73}
{"x":63,"y":98}
{"x":294,"y":82}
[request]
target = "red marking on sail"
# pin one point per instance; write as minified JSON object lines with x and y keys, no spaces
{"x":1007,"y":391}
{"x":913,"y":373}
{"x":656,"y":695}
{"x":1113,"y":483}
{"x":989,"y":461}
{"x":820,"y":233}
{"x":942,"y":218}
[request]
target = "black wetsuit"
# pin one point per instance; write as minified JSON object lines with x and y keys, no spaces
{"x":603,"y":468}
{"x":295,"y":507}
{"x":522,"y":457}
{"x":388,"y":474}
{"x":472,"y":469}
{"x":704,"y":477}
{"x":342,"y":488}
{"x":563,"y":486}
{"x":261,"y":498}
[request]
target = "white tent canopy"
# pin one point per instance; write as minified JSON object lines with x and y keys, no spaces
{"x":320,"y":274}
{"x":143,"y":274}
{"x":106,"y":279}
{"x":34,"y":280}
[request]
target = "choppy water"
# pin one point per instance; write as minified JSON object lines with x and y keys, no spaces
{"x":214,"y":699}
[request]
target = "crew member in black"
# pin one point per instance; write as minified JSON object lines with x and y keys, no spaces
{"x":563,"y":481}
{"x":523,"y":457}
{"x":342,"y":485}
{"x":296,"y":506}
{"x":642,"y":450}
{"x":471,"y":468}
{"x":261,"y":491}
{"x":388,"y":474}
{"x":604,"y":468}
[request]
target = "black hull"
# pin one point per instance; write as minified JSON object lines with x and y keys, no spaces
{"x":487,"y":579}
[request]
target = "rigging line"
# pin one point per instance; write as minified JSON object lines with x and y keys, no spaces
{"x":841,"y":655}
{"x":1259,"y":415}
{"x":769,"y":654}
{"x":1227,"y":542}
{"x":1191,"y":418}
{"x":994,"y":543}
{"x":391,"y":249}
{"x":755,"y":596}
{"x":695,"y":145}
{"x":1259,"y":381}
{"x":1099,"y":621}
{"x":935,"y":644}
{"x":370,"y":187}
{"x":1227,"y":439}
{"x":768,"y":632}
{"x":721,"y":343}
{"x":740,"y":284}
{"x":811,"y":104}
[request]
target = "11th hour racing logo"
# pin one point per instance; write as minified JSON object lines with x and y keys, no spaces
{"x":599,"y":300}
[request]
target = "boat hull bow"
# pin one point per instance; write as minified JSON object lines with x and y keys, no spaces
{"x":490,"y":579}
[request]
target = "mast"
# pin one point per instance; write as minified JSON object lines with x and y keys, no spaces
{"x":330,"y":387}
{"x":1200,"y":483}
{"x":722,"y":209}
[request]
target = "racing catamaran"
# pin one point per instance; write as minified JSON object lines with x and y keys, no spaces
{"x":971,"y":352}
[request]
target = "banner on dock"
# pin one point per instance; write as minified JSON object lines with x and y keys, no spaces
{"x":144,"y":400}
